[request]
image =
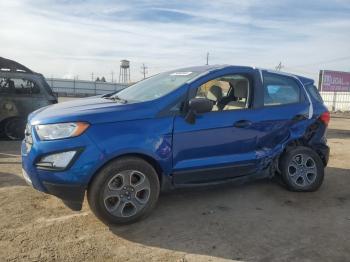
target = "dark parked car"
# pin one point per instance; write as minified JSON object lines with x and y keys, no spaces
{"x":194,"y":126}
{"x":22,"y":91}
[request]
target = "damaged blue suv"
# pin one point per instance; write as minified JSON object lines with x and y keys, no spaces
{"x":188,"y":127}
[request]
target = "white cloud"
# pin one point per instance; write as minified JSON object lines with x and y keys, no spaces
{"x":78,"y":38}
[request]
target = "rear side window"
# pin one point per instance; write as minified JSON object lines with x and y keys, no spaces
{"x":18,"y":86}
{"x":280,"y":90}
{"x":314,"y":93}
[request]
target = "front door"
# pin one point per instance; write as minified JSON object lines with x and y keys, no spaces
{"x":220,"y":144}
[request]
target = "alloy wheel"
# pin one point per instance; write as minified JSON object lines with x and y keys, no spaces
{"x":302,"y":170}
{"x":126,"y":193}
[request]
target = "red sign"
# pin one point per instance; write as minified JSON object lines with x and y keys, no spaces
{"x":335,"y":81}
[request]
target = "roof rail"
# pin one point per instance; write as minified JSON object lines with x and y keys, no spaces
{"x":8,"y":65}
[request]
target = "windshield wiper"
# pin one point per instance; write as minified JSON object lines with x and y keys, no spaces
{"x":117,"y":98}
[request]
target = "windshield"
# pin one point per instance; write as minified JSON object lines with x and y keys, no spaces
{"x":155,"y":86}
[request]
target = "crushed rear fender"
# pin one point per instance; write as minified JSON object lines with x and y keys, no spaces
{"x":310,"y":132}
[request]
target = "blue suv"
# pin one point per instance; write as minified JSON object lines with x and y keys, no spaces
{"x":194,"y":126}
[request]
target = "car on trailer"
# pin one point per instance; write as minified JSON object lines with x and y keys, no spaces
{"x":196,"y":126}
{"x":22,"y":91}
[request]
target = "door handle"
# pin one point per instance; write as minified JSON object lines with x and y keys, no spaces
{"x":299,"y":117}
{"x":242,"y":123}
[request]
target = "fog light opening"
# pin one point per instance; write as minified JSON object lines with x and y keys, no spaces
{"x":56,"y":161}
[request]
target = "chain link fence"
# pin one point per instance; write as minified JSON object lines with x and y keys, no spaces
{"x":79,"y":88}
{"x":336,"y":101}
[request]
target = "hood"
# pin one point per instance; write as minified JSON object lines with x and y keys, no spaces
{"x":92,"y":110}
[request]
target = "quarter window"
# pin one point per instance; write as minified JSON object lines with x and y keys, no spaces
{"x":280,"y":90}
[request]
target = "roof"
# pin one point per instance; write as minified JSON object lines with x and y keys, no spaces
{"x":13,"y":66}
{"x":304,"y":80}
{"x":206,"y":68}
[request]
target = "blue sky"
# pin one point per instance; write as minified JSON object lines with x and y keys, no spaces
{"x":75,"y":38}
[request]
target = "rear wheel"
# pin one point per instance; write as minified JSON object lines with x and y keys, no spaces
{"x":302,"y":169}
{"x":14,"y":128}
{"x":124,"y":191}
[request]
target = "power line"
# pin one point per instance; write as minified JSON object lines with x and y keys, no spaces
{"x":299,"y":71}
{"x":144,"y":70}
{"x":325,"y":61}
{"x":112,"y":74}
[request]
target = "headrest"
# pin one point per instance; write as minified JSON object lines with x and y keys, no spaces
{"x":214,"y":93}
{"x":11,"y":83}
{"x":241,"y":89}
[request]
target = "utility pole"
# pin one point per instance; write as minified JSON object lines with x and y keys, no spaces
{"x":112,"y":73}
{"x":279,"y":66}
{"x":92,"y":77}
{"x":144,"y":71}
{"x":207,"y":58}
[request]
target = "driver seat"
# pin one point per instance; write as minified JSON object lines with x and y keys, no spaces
{"x":215,"y":94}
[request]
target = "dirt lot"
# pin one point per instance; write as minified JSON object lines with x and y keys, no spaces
{"x":259,"y":221}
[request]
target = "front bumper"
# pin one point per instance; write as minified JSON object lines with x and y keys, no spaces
{"x":71,"y":195}
{"x":69,"y":184}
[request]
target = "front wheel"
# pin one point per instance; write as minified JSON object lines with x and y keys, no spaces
{"x":124,"y":191}
{"x":302,"y":169}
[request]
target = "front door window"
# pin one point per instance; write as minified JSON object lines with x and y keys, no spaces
{"x":228,"y":92}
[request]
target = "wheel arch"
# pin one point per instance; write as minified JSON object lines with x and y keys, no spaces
{"x":149,"y":159}
{"x":301,"y":142}
{"x":4,"y":119}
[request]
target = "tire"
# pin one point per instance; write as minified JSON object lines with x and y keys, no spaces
{"x":302,"y":169}
{"x":115,"y":194}
{"x":13,"y":128}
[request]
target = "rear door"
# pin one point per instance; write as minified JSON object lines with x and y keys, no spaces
{"x":220,"y":144}
{"x":284,"y":110}
{"x":16,"y":96}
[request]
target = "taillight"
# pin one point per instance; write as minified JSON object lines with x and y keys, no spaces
{"x":325,"y":117}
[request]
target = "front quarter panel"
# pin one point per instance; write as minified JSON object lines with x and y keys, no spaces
{"x":78,"y":173}
{"x":150,"y":137}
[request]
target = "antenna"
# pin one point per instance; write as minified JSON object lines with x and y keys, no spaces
{"x":279,"y":66}
{"x":207,"y":58}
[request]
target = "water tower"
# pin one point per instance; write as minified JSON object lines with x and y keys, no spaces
{"x":124,"y":73}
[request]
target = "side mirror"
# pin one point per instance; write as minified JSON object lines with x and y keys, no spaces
{"x":198,"y":106}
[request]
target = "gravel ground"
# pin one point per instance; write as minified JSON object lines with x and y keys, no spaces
{"x":259,"y":221}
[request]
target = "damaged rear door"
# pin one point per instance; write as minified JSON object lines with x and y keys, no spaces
{"x":285,"y":112}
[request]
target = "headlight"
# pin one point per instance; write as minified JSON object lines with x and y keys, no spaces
{"x":60,"y":130}
{"x":56,"y":161}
